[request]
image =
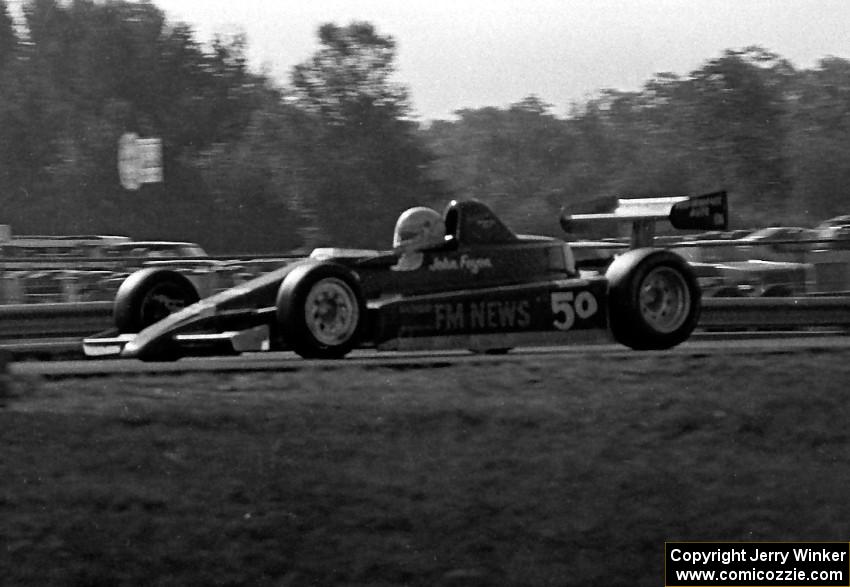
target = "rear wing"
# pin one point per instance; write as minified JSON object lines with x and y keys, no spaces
{"x":705,"y":212}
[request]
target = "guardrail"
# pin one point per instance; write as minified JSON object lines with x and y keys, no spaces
{"x":735,"y":313}
{"x":57,"y":328}
{"x":44,"y":321}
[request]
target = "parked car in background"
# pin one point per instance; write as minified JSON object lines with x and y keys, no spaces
{"x":29,"y":252}
{"x":779,"y":243}
{"x":156,"y":249}
{"x":834,"y":233}
{"x":726,"y":270}
{"x":80,"y":268}
{"x":187,"y":258}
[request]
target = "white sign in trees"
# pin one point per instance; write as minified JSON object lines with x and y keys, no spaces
{"x":139,"y":161}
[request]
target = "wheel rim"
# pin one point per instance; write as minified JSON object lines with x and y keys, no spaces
{"x":162,"y":301}
{"x":331,"y":311}
{"x":665,"y":300}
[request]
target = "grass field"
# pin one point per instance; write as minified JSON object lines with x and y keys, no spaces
{"x":539,"y":471}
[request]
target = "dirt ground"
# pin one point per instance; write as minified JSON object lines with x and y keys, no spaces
{"x":539,"y":471}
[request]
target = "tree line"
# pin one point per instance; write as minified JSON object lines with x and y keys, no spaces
{"x":333,"y":156}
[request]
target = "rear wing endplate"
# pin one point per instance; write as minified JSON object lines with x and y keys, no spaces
{"x":704,"y":212}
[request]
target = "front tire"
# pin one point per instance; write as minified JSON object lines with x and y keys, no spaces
{"x":149,"y":295}
{"x":654,"y":299}
{"x":321,"y":311}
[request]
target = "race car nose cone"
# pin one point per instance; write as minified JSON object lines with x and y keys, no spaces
{"x":131,"y":350}
{"x":151,"y":350}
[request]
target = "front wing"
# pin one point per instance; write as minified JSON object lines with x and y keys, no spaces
{"x":229,"y":342}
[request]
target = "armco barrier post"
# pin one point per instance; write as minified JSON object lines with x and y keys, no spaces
{"x":70,"y":288}
{"x":12,"y":292}
{"x":5,"y":383}
{"x":832,"y":270}
{"x":806,"y":312}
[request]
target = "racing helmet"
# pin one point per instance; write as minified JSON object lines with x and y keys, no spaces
{"x":417,"y":228}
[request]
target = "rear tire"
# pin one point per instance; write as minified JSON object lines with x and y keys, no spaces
{"x":148,"y":296}
{"x":321,"y":311}
{"x":654,"y":299}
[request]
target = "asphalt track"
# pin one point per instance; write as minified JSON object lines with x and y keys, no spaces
{"x":745,"y":343}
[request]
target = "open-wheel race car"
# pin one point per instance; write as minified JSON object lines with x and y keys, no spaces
{"x":462,"y":279}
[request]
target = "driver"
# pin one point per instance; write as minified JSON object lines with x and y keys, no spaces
{"x":416,"y":229}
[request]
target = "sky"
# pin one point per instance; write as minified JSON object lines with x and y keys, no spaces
{"x":456,"y":54}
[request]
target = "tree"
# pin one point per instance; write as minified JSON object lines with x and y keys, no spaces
{"x":349,"y":77}
{"x":91,"y":71}
{"x":515,"y":159}
{"x":8,"y":38}
{"x":259,"y":179}
{"x":738,"y":116}
{"x":819,"y":139}
{"x":8,"y":90}
{"x":364,"y":159}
